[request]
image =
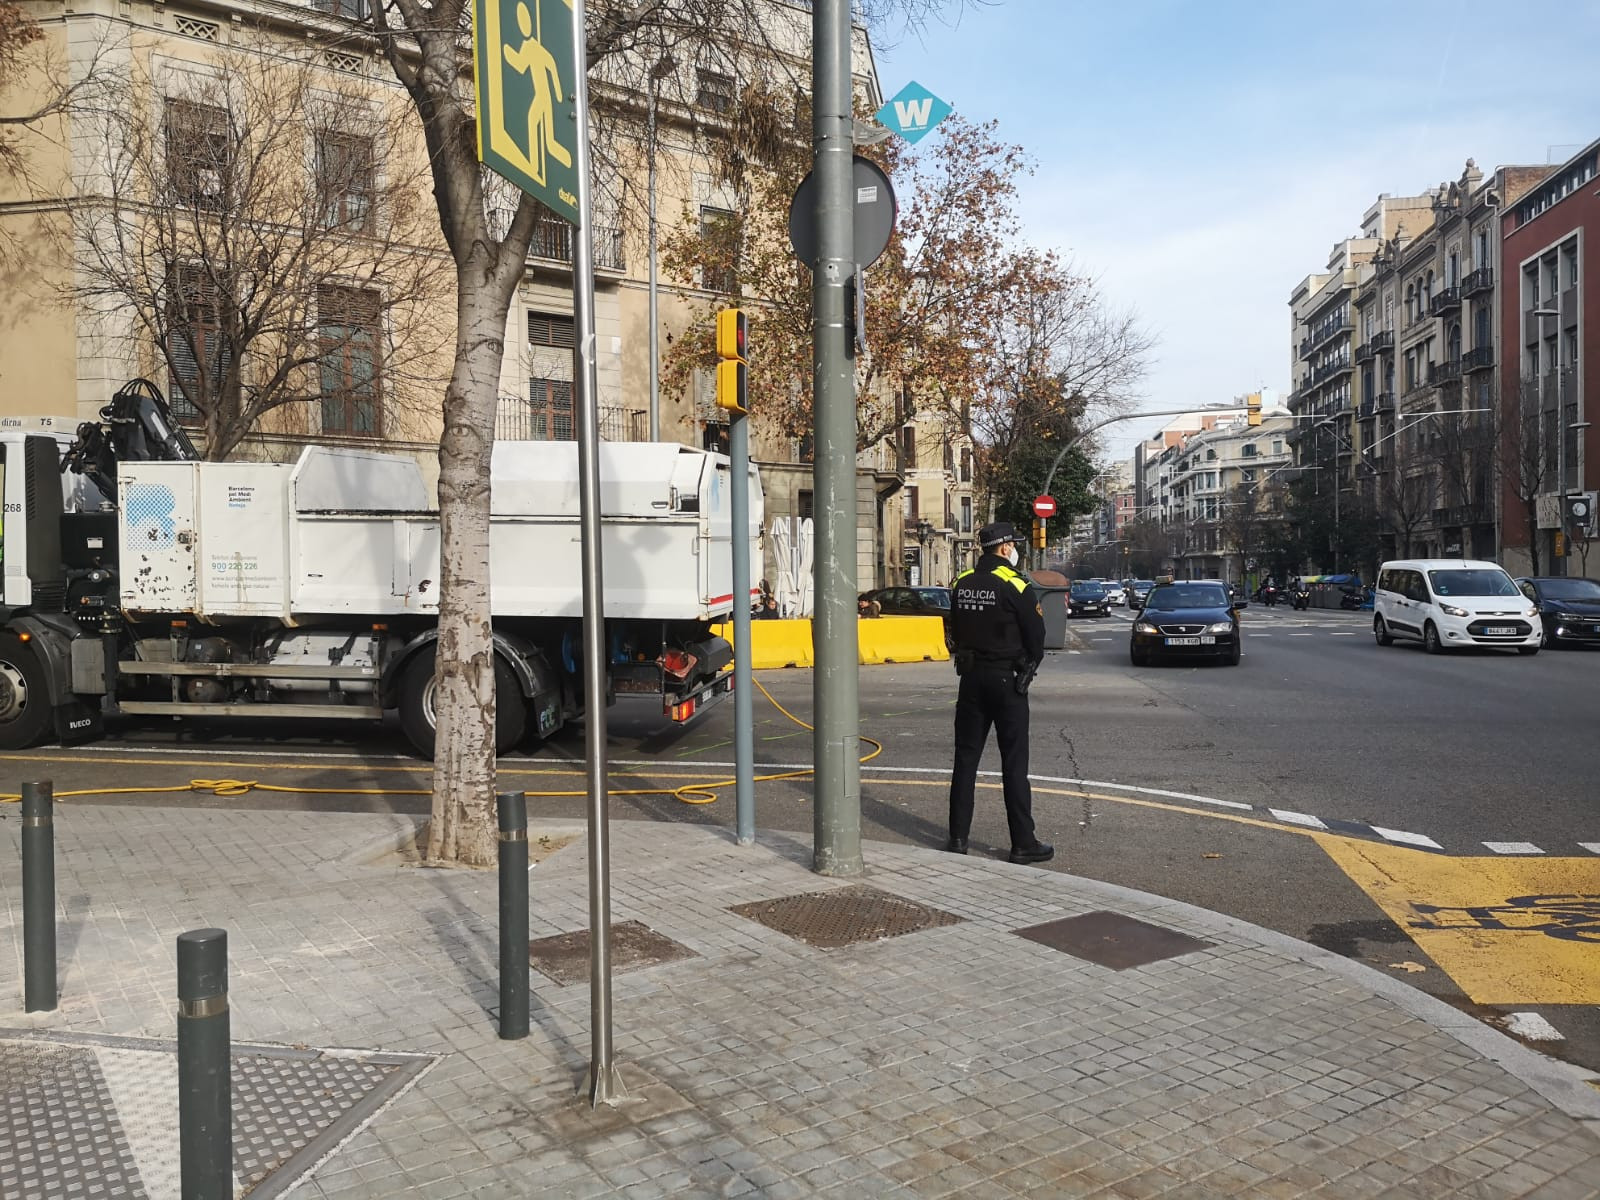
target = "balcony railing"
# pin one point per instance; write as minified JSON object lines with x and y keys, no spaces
{"x":516,"y":420}
{"x":1324,"y":334}
{"x":1478,"y":359}
{"x":1329,"y":370}
{"x":1481,"y":280}
{"x":1381,"y":341}
{"x":1444,"y":301}
{"x":1366,"y":352}
{"x":1447,"y":372}
{"x":552,"y":242}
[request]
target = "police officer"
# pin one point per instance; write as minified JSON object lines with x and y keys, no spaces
{"x":997,"y":629}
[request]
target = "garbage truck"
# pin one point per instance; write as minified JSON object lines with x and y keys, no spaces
{"x":138,"y":581}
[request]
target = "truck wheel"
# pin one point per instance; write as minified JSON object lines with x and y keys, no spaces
{"x":418,"y":690}
{"x":24,"y":695}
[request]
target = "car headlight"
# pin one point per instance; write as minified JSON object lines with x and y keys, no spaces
{"x":1220,"y":627}
{"x":1450,"y":610}
{"x":1144,"y":627}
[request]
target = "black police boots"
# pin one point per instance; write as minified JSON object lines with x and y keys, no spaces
{"x":1037,"y":853}
{"x":956,"y":845}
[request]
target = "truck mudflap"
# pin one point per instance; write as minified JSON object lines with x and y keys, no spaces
{"x":78,"y":722}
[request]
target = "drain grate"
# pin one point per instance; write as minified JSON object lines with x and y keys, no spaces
{"x":844,"y":916}
{"x":565,"y":957}
{"x":1113,"y":940}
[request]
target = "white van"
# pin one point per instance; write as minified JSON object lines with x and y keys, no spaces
{"x":1446,"y":603}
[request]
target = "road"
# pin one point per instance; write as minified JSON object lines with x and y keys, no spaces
{"x":1431,"y":816}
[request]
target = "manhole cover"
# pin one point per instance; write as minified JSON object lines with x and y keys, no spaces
{"x":565,"y":957}
{"x":843,"y":916}
{"x":1112,"y":940}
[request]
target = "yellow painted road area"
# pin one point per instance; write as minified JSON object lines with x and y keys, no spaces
{"x":1507,"y":930}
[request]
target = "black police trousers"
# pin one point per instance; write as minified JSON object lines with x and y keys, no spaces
{"x":988,"y":696}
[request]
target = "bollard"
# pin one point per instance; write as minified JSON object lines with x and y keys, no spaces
{"x":38,"y":897}
{"x":205,"y":1066}
{"x":512,"y":808}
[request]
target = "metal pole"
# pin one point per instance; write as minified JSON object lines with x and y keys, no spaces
{"x":512,"y":810}
{"x":836,"y":815}
{"x":744,"y":754}
{"x":40,"y":992}
{"x":205,"y":1066}
{"x":655,"y":334}
{"x":602,"y":1085}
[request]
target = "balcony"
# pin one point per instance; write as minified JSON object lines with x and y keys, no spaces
{"x":1366,"y":352}
{"x":552,"y":243}
{"x":1448,"y":300}
{"x":1481,"y":280}
{"x":1329,"y":370}
{"x":1323,"y":335}
{"x":1445,"y":373}
{"x":1479,"y":359}
{"x":1381,"y":341}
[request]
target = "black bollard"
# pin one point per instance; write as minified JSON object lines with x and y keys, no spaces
{"x":38,"y":897}
{"x":205,"y":1066}
{"x":512,"y":808}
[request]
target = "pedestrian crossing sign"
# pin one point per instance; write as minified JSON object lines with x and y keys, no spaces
{"x":913,"y":112}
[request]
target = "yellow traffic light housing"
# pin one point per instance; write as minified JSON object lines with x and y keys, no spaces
{"x":732,"y":368}
{"x":1038,"y":533}
{"x":1253,"y":408}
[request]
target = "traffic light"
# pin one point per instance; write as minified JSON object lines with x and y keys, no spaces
{"x":1579,"y":515}
{"x":731,"y":365}
{"x":1038,"y":533}
{"x":1253,"y":408}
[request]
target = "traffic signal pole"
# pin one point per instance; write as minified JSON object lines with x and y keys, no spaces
{"x":836,"y":813}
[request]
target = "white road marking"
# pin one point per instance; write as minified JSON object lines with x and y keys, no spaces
{"x":1258,"y":635}
{"x":1591,"y":847}
{"x":1302,"y":635}
{"x":1341,"y":635}
{"x":1296,"y":818}
{"x":1513,"y":848}
{"x":1532,"y":1026}
{"x":1409,"y":839}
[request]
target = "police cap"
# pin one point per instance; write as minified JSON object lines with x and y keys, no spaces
{"x":993,"y":535}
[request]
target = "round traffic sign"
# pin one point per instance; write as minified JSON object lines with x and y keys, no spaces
{"x":1044,"y":506}
{"x":874,"y":213}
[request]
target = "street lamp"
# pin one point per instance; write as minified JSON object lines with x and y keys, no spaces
{"x":665,"y":65}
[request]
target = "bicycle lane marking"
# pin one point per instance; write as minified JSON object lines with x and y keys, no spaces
{"x":1507,"y":930}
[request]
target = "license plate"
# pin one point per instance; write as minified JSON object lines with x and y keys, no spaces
{"x":1501,"y":630}
{"x":1191,"y":641}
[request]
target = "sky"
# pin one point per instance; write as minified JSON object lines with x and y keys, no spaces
{"x":1200,"y":159}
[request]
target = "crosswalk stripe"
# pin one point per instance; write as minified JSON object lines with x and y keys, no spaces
{"x":1513,"y":848}
{"x":1296,"y":818}
{"x":1408,"y":839}
{"x":1591,"y":847}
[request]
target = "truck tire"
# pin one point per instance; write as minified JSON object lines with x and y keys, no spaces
{"x":417,"y":692}
{"x":24,"y":695}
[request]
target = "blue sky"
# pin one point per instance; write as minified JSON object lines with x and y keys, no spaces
{"x":1199,"y":159}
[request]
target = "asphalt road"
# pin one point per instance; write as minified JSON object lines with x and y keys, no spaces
{"x":1227,"y":787}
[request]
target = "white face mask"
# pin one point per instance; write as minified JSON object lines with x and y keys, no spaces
{"x":1012,"y":556}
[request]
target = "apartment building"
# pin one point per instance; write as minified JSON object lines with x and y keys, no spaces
{"x":1550,"y":338}
{"x":1223,"y":495}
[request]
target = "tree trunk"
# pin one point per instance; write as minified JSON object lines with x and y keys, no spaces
{"x":462,"y":828}
{"x":1533,"y":534}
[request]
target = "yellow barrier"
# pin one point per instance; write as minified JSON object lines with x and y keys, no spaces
{"x":903,"y":639}
{"x":882,"y":640}
{"x":775,"y":643}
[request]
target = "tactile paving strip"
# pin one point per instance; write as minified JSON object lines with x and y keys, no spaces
{"x":62,"y":1132}
{"x":59,"y":1133}
{"x":844,"y":916}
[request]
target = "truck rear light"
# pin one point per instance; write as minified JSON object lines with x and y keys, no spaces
{"x":683,"y":711}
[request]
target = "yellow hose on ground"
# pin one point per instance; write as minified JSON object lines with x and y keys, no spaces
{"x":689,"y":793}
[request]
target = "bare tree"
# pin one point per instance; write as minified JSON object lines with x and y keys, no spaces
{"x":262,"y":227}
{"x":1523,"y":458}
{"x":1249,"y":510}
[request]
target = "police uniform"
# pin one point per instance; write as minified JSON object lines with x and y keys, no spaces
{"x":997,"y":630}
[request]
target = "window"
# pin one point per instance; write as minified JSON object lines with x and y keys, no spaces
{"x":719,"y":229}
{"x":547,"y":330}
{"x":1248,"y":450}
{"x":966,"y":514}
{"x":715,"y":91}
{"x":199,"y":350}
{"x":346,"y":181}
{"x":1569,"y":264}
{"x":913,"y":510}
{"x":966,"y":465}
{"x":1480,"y":249}
{"x":349,"y":10}
{"x":1480,"y":325}
{"x":908,"y":447}
{"x":550,"y":405}
{"x":199,"y":152}
{"x":1452,"y":268}
{"x":1277,"y":445}
{"x":805,"y":504}
{"x":347,"y":331}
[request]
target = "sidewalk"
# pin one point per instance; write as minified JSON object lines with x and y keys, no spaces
{"x":957,"y":1060}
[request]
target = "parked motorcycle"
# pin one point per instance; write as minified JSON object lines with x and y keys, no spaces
{"x":1353,"y":599}
{"x":1302,"y":598}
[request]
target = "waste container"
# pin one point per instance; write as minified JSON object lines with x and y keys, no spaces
{"x":1053,"y":587}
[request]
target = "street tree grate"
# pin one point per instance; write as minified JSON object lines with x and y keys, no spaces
{"x":1113,"y":940}
{"x":565,"y":957}
{"x":843,"y":916}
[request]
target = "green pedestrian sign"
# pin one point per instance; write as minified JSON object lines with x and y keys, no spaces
{"x":526,"y":79}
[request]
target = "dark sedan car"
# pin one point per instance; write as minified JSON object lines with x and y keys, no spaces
{"x":1188,"y":620}
{"x":1568,"y":607}
{"x":1088,"y":599}
{"x":911,"y":601}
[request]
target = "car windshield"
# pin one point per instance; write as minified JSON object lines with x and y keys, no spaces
{"x":1188,"y":595}
{"x":1144,"y":584}
{"x":1570,"y":589}
{"x":935,"y":597}
{"x":1472,"y":581}
{"x":1088,"y":589}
